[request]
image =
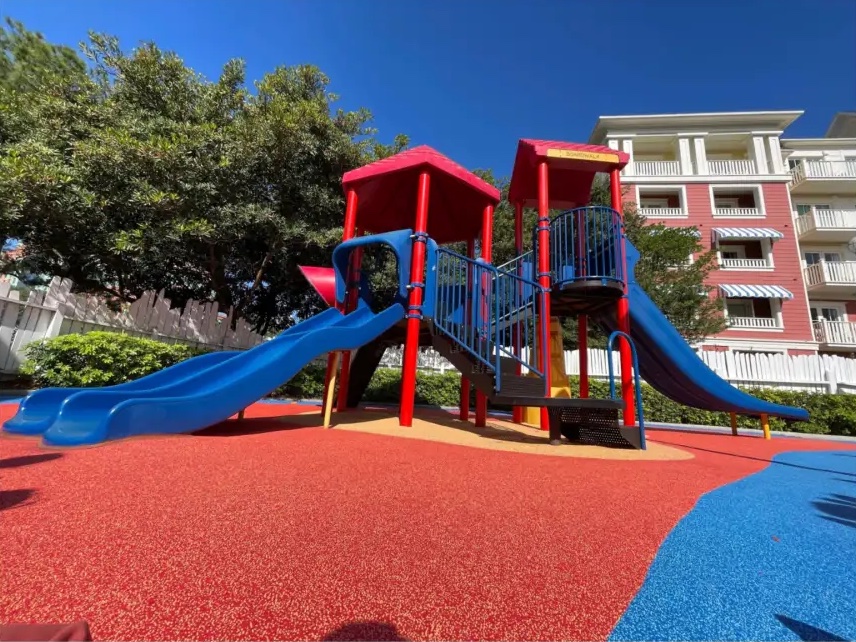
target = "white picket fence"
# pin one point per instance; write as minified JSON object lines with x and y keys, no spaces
{"x":814,"y":373}
{"x":56,"y":311}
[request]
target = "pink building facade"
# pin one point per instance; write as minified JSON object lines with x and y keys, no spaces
{"x":732,"y":177}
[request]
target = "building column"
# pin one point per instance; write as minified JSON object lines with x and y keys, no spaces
{"x":700,"y":157}
{"x":758,"y":154}
{"x":685,"y":155}
{"x":777,"y":165}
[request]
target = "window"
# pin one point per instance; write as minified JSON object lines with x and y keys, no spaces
{"x":733,"y":251}
{"x":794,"y":162}
{"x":813,"y":258}
{"x":740,"y":308}
{"x":827,"y":314}
{"x":806,"y":209}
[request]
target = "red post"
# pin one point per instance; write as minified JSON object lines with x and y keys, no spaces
{"x":517,"y":411}
{"x":582,"y":346}
{"x":487,"y":255}
{"x":347,"y":234}
{"x":623,"y":314}
{"x":464,"y":413}
{"x":414,"y":320}
{"x":544,"y":279}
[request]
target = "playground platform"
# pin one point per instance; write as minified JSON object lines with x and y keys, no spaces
{"x":271,"y":528}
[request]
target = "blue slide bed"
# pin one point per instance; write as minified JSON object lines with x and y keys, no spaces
{"x":670,"y":365}
{"x":769,"y":557}
{"x":214,"y":393}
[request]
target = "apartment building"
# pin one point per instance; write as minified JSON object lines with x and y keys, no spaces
{"x":780,"y":214}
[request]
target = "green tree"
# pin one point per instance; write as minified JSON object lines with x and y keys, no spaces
{"x":138,"y":173}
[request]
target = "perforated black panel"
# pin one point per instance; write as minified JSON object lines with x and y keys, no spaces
{"x":598,"y":426}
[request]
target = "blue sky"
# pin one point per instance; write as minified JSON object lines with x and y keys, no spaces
{"x":471,"y":77}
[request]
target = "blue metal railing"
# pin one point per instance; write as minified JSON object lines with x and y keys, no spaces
{"x":636,"y":382}
{"x":489,"y":313}
{"x":585,"y":244}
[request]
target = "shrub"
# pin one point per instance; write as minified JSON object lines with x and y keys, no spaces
{"x":98,"y":359}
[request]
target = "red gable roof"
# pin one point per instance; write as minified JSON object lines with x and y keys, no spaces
{"x":572,"y":167}
{"x":386,"y":195}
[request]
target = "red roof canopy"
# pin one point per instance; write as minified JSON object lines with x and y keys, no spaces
{"x":572,"y":167}
{"x":386,"y":195}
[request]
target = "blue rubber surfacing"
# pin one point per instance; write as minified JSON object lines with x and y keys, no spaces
{"x":769,"y":557}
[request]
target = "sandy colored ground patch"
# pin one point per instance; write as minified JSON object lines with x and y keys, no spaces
{"x":497,"y":435}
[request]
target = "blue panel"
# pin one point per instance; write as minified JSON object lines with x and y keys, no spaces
{"x":671,"y":366}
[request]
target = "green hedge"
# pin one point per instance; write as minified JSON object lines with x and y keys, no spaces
{"x":98,"y":359}
{"x":103,"y":359}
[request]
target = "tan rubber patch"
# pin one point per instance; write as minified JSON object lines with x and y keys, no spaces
{"x":497,"y":435}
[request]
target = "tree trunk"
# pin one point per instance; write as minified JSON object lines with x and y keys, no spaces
{"x":217,"y":273}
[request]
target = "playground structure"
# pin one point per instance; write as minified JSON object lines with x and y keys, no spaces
{"x":491,"y":322}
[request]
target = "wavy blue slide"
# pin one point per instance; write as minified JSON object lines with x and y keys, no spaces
{"x":671,"y":366}
{"x":207,"y":395}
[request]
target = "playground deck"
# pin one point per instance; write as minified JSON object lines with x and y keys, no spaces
{"x":267,"y":529}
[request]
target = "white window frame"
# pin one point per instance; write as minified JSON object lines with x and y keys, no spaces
{"x":766,"y":254}
{"x":756,"y":188}
{"x":680,"y":189}
{"x":818,"y":306}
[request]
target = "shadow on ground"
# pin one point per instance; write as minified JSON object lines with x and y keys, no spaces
{"x":12,"y":498}
{"x":837,"y":508}
{"x":28,"y":460}
{"x":807,"y":632}
{"x":366,"y":630}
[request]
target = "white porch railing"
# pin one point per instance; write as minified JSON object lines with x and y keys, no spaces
{"x":822,"y":220}
{"x":662,"y":212}
{"x":831,"y":273}
{"x":823,"y":169}
{"x":731,"y":167}
{"x":839,"y":332}
{"x":655,"y":168}
{"x":744,"y":264}
{"x":755,"y":323}
{"x":736,"y":212}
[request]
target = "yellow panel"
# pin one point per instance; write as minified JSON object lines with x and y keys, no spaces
{"x":585,"y":156}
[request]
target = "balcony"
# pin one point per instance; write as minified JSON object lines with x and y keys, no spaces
{"x":835,"y":333}
{"x":655,"y":168}
{"x":731,"y":167}
{"x":830,"y":277}
{"x":662,"y":212}
{"x":737,"y":212}
{"x":745,"y":264}
{"x":753,"y":323}
{"x":818,"y":177}
{"x":822,"y":225}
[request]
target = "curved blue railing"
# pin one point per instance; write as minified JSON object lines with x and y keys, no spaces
{"x":585,"y":244}
{"x":636,"y":383}
{"x":489,"y":312}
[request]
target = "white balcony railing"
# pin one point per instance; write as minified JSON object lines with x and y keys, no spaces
{"x":823,"y":169}
{"x":823,"y":220}
{"x":736,"y":212}
{"x":831,"y":273}
{"x":731,"y":167}
{"x":756,"y":323}
{"x":655,"y":168}
{"x":662,"y":212}
{"x":745,"y":264}
{"x":841,"y":332}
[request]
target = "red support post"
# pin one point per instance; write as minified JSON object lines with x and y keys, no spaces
{"x":544,"y":279}
{"x":487,"y":256}
{"x":350,"y":304}
{"x":414,"y":313}
{"x":582,"y":346}
{"x":464,"y":412}
{"x":517,"y":411}
{"x":623,"y":313}
{"x":348,"y":233}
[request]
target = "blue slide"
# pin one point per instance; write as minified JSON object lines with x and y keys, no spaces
{"x":671,"y":366}
{"x":41,"y":407}
{"x":215,"y":393}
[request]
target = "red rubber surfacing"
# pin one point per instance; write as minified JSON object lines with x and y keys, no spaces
{"x":308,"y":533}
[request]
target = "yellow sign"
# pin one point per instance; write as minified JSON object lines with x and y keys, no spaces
{"x":584,"y":156}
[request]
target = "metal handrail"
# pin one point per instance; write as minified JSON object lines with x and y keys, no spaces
{"x":636,"y":381}
{"x":585,"y":243}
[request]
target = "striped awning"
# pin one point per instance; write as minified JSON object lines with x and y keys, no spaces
{"x":756,"y":292}
{"x":747,"y":233}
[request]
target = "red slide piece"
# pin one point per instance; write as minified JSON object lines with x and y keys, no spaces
{"x":323,"y":279}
